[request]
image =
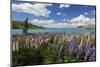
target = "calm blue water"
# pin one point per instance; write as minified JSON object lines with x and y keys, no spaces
{"x":19,"y":31}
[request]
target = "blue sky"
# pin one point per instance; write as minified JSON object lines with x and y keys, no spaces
{"x":46,"y":14}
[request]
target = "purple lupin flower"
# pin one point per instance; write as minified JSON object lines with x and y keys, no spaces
{"x":82,"y":47}
{"x":73,"y":45}
{"x":89,"y":50}
{"x":93,"y":55}
{"x":81,"y":50}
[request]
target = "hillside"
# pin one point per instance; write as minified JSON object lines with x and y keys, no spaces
{"x":20,"y":25}
{"x":87,"y":27}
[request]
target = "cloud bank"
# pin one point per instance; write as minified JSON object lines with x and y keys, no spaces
{"x":37,"y":9}
{"x":81,"y":20}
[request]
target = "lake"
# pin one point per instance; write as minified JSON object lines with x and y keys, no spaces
{"x":19,"y":31}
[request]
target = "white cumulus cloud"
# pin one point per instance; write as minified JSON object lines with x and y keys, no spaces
{"x":37,"y":9}
{"x":42,"y":21}
{"x":86,"y":13}
{"x":64,"y":5}
{"x":59,"y":13}
{"x":81,"y":19}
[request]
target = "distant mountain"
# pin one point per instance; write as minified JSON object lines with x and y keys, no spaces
{"x":20,"y":25}
{"x":87,"y":27}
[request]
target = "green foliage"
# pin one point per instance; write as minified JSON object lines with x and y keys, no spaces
{"x":40,"y":55}
{"x":27,"y":56}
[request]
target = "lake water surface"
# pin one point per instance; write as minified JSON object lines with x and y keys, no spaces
{"x":19,"y":31}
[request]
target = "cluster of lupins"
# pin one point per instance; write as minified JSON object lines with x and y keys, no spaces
{"x":85,"y":47}
{"x":58,"y":47}
{"x":36,"y":39}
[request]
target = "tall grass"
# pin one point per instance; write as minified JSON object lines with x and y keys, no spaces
{"x":48,"y":48}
